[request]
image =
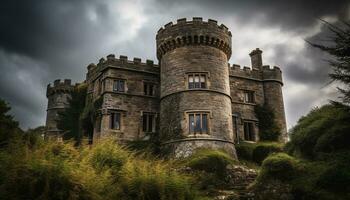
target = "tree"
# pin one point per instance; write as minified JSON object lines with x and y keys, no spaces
{"x":8,"y":126}
{"x":340,"y":50}
{"x":69,"y":119}
{"x":268,"y":129}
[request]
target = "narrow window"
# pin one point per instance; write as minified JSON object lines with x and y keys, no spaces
{"x":119,"y":86}
{"x":197,"y":81}
{"x":249,"y":96}
{"x":115,"y":121}
{"x":148,"y":122}
{"x":190,"y":82}
{"x":249,"y":131}
{"x":148,"y":89}
{"x":198,"y":122}
{"x":191,"y":123}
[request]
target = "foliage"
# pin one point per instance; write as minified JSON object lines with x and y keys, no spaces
{"x":210,"y":161}
{"x":323,"y":130}
{"x":340,"y":50}
{"x":257,"y":152}
{"x":69,"y":119}
{"x":48,"y":170}
{"x":320,"y":168}
{"x":280,"y":166}
{"x":268,"y":129}
{"x":8,"y":126}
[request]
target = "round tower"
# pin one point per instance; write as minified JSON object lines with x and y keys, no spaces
{"x":273,"y":97}
{"x":195,"y":93}
{"x":57,"y":96}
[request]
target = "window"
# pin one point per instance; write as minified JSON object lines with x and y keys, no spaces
{"x":198,"y":122}
{"x":197,"y":81}
{"x":249,"y":131}
{"x":115,"y":121}
{"x":148,"y":89}
{"x":148,"y":122}
{"x":249,"y":96}
{"x":119,"y":86}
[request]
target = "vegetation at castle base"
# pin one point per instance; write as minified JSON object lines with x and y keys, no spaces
{"x":38,"y":169}
{"x":268,"y":129}
{"x":257,"y":152}
{"x":210,"y":169}
{"x":317,"y":166}
{"x":70,"y":121}
{"x":322,"y":132}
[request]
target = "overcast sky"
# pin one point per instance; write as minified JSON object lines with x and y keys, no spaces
{"x":44,"y":40}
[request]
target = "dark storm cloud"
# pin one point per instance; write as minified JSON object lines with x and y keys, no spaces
{"x":287,"y":14}
{"x":42,"y":40}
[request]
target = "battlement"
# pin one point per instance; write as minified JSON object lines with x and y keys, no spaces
{"x":195,"y":21}
{"x":122,"y":62}
{"x":267,"y":73}
{"x":195,"y":32}
{"x":111,"y":59}
{"x":59,"y":86}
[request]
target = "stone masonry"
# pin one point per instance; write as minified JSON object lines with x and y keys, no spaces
{"x":193,"y":98}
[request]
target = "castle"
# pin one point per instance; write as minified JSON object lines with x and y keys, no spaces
{"x":193,"y":98}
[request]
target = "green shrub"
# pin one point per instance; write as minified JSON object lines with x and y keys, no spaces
{"x":257,"y":152}
{"x":279,"y":166}
{"x":210,"y":161}
{"x":245,"y":150}
{"x":268,"y":128}
{"x":262,"y":150}
{"x":323,"y":130}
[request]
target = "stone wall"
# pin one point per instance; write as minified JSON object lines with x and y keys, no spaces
{"x":195,"y":47}
{"x":58,"y":96}
{"x":132,"y":103}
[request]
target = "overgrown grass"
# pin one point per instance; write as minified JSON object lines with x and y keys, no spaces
{"x":48,"y":170}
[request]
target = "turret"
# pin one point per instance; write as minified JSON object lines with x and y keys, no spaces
{"x":195,"y":92}
{"x":58,"y":96}
{"x":256,"y":59}
{"x":272,"y":84}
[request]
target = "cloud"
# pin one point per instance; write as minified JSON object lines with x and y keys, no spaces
{"x":41,"y":41}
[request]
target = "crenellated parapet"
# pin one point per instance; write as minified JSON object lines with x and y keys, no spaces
{"x":195,"y":32}
{"x":58,"y":86}
{"x":265,"y":74}
{"x":122,"y":62}
{"x":272,"y":74}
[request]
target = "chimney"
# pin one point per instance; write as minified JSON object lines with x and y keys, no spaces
{"x":256,"y":59}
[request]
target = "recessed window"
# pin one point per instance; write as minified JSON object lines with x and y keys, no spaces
{"x":119,"y":86}
{"x":115,"y":121}
{"x":148,"y":89}
{"x":198,"y":122}
{"x":197,"y":81}
{"x":249,"y":96}
{"x":249,"y":134}
{"x":148,"y":122}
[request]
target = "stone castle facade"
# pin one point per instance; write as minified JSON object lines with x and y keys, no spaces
{"x":193,"y":98}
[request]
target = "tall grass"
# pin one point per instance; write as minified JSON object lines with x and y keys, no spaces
{"x":48,"y":170}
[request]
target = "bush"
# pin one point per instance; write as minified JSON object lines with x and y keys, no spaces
{"x":257,"y":152}
{"x":210,"y":161}
{"x":262,"y":150}
{"x":323,"y":130}
{"x":278,"y":166}
{"x":268,"y":128}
